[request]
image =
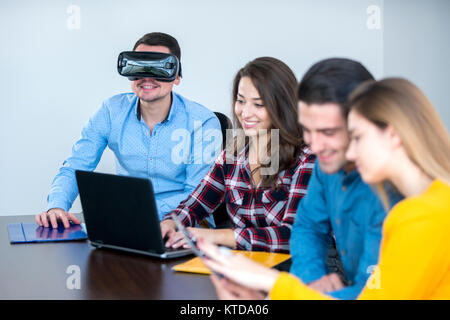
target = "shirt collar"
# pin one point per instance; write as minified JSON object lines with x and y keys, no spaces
{"x":348,"y":177}
{"x":170,"y":115}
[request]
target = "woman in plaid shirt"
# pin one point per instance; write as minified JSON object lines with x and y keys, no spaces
{"x":261,"y":180}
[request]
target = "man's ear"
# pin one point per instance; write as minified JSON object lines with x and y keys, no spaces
{"x":177,"y":80}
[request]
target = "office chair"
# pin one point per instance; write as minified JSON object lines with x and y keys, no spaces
{"x":221,"y":217}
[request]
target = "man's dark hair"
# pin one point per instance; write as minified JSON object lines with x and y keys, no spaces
{"x":332,"y":80}
{"x":160,"y":39}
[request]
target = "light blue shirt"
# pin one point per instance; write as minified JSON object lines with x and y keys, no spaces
{"x":175,"y":156}
{"x":342,"y":204}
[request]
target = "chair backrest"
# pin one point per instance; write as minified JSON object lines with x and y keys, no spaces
{"x":221,"y":217}
{"x":225,"y":123}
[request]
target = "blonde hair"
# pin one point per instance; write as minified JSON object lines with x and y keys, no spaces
{"x":399,"y":103}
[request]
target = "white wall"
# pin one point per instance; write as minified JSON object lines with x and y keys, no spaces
{"x":55,"y":75}
{"x":417,"y":47}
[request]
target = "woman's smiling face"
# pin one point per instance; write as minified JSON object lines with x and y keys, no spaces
{"x":250,"y":109}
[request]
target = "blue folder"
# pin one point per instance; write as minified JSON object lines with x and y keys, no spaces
{"x":32,"y":232}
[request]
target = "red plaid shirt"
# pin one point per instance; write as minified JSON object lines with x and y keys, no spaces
{"x":262,"y":218}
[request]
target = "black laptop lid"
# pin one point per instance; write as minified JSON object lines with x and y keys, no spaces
{"x":120,"y":211}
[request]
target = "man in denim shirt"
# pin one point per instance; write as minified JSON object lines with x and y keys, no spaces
{"x":153,"y":132}
{"x":338,"y":203}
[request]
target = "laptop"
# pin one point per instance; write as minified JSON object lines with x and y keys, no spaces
{"x":120,"y":213}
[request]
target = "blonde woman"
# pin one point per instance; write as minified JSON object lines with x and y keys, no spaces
{"x":396,"y":136}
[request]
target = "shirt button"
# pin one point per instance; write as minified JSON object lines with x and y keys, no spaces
{"x":343,"y":252}
{"x":344,"y":188}
{"x":338,"y":221}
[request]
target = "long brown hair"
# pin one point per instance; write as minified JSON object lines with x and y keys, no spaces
{"x":276,"y":85}
{"x":399,"y":103}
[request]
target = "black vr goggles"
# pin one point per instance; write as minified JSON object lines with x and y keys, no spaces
{"x":145,"y":64}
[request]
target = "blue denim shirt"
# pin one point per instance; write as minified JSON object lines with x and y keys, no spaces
{"x":175,"y":156}
{"x":342,"y":204}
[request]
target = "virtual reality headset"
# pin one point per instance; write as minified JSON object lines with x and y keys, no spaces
{"x":146,"y":64}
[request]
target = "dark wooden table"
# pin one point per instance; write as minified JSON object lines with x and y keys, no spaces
{"x":43,"y":271}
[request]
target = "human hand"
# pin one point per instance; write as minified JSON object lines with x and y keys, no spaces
{"x":168,"y":229}
{"x":238,"y":268}
{"x":328,"y":283}
{"x":224,"y":237}
{"x":53,"y":216}
{"x":229,"y":290}
{"x":176,"y":239}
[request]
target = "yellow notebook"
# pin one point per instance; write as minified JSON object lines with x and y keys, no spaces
{"x":268,"y":259}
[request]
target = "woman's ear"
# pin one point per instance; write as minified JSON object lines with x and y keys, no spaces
{"x":394,"y":137}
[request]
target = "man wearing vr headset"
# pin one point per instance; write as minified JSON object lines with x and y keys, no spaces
{"x":139,"y":128}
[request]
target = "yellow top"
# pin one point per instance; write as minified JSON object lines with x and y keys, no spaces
{"x":414,"y":255}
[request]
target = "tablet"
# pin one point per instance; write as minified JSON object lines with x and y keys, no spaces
{"x":32,"y":232}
